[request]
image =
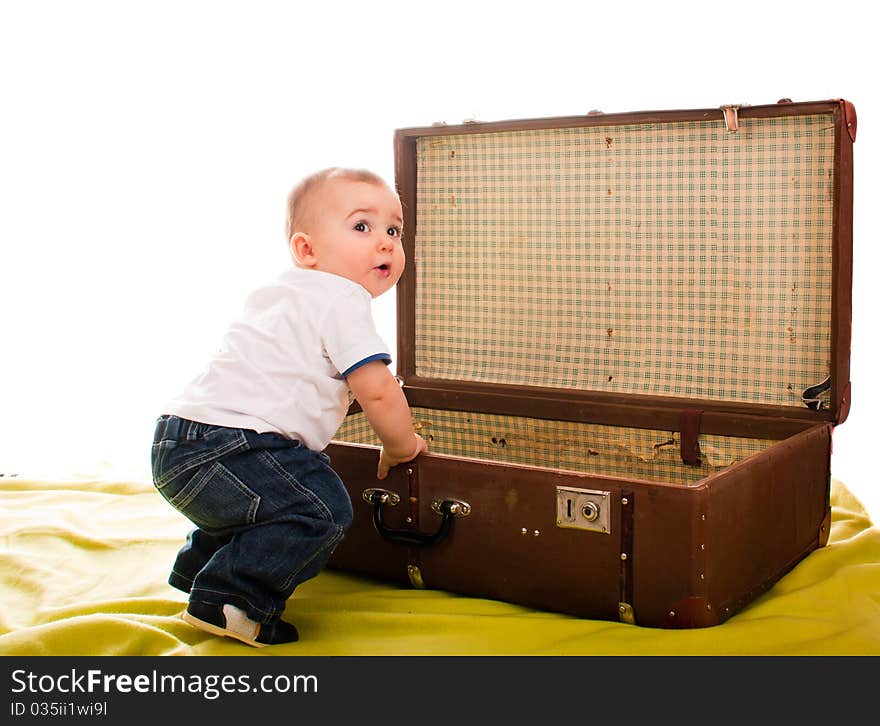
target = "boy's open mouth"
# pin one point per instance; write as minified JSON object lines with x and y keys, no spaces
{"x":384,"y":269}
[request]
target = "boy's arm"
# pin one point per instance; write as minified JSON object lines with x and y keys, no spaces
{"x":385,"y":406}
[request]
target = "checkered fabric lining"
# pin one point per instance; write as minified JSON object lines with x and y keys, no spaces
{"x":587,"y":448}
{"x":674,"y":259}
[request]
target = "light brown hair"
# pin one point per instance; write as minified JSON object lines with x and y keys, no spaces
{"x":300,"y":196}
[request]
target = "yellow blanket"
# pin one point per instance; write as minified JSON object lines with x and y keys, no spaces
{"x":83,"y":567}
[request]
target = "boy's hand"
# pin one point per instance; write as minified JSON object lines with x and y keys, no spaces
{"x":385,"y":406}
{"x":387,"y":460}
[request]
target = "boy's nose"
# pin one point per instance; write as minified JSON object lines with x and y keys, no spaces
{"x":384,"y":243}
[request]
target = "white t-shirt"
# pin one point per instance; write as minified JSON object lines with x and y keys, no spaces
{"x":282,"y":364}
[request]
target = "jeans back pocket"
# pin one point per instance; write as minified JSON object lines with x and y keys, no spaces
{"x":213,"y":498}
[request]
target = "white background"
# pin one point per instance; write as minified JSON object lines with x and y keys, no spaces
{"x":146,"y":151}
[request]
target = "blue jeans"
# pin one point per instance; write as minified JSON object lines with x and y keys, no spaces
{"x":268,"y":512}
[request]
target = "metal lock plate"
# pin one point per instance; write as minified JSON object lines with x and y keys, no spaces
{"x":588,"y":509}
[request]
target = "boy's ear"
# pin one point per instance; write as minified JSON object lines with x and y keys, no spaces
{"x":302,"y":250}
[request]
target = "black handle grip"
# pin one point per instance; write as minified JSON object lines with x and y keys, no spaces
{"x":407,"y":536}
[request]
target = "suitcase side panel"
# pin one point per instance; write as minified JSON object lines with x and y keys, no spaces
{"x":510,"y":546}
{"x":665,"y":557}
{"x":763,"y":516}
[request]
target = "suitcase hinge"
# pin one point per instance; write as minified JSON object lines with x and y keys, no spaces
{"x":731,"y":117}
{"x":627,"y":519}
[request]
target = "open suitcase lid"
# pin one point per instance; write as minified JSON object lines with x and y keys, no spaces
{"x":628,"y":267}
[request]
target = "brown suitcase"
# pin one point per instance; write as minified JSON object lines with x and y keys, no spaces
{"x":626,"y":340}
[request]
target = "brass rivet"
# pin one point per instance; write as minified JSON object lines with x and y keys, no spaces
{"x":672,"y":613}
{"x":624,"y":501}
{"x":708,"y":607}
{"x":703,"y":517}
{"x":621,"y":609}
{"x":410,"y":471}
{"x":524,"y":531}
{"x":536,"y":532}
{"x":623,"y":555}
{"x":702,"y":546}
{"x":409,"y":520}
{"x":702,"y":576}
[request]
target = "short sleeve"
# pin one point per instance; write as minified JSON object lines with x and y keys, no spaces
{"x":349,"y":334}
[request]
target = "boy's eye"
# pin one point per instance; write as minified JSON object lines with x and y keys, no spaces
{"x":361,"y":227}
{"x":393,"y":231}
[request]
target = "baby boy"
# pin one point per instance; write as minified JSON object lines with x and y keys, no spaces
{"x":240,"y":451}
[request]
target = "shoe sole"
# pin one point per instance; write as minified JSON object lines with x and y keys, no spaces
{"x":214,"y":630}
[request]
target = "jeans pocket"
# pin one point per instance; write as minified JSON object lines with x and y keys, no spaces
{"x":214,"y":498}
{"x":184,"y":446}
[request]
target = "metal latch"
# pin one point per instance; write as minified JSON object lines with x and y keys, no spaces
{"x":390,"y":498}
{"x":588,"y":509}
{"x":811,"y":399}
{"x":456,"y":507}
{"x":731,"y":117}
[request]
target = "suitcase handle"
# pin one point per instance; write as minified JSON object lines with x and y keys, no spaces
{"x":448,"y":509}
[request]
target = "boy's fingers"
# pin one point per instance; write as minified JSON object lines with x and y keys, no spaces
{"x":381,"y":472}
{"x":385,"y":465}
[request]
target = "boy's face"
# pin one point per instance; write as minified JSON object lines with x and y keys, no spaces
{"x":353,"y":230}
